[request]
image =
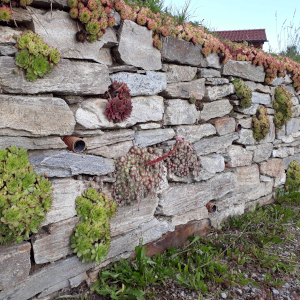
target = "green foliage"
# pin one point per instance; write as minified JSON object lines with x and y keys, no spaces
{"x":25,"y":197}
{"x":243,"y":92}
{"x":192,"y":100}
{"x":36,"y":58}
{"x":91,"y":237}
{"x":261,"y":124}
{"x":293,"y":177}
{"x":5,"y":13}
{"x":282,"y":106}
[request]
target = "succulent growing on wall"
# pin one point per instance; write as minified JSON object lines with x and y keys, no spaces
{"x":35,"y":57}
{"x":282,"y":106}
{"x":5,"y":13}
{"x":25,"y":197}
{"x":261,"y":124}
{"x":119,"y":106}
{"x":91,"y":237}
{"x":292,"y":183}
{"x":243,"y":92}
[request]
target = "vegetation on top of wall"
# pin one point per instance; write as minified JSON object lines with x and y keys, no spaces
{"x":293,"y":177}
{"x":91,"y":237}
{"x":25,"y":197}
{"x":35,"y":57}
{"x":261,"y":124}
{"x":243,"y":92}
{"x":282,"y":106}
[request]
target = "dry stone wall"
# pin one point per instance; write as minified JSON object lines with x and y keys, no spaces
{"x":237,"y":171}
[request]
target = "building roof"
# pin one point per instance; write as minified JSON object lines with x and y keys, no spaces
{"x":244,"y":35}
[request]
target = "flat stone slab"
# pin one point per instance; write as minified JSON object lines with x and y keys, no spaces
{"x":182,"y":52}
{"x":177,"y":73}
{"x":185,"y":90}
{"x":195,"y":214}
{"x":66,"y":164}
{"x":91,"y":114}
{"x":216,"y":81}
{"x":208,"y":73}
{"x":71,"y":78}
{"x":136,"y":47}
{"x":245,"y":70}
{"x":8,"y":50}
{"x":286,"y":161}
{"x":211,"y":61}
{"x":292,"y":125}
{"x":224,"y":125}
{"x":151,"y":137}
{"x":179,"y":112}
{"x":273,"y":167}
{"x":15,"y":264}
{"x":215,"y":109}
{"x":218,"y":92}
{"x":262,"y":152}
{"x":238,"y":156}
{"x":142,"y":85}
{"x":283,"y":152}
{"x":35,"y":116}
{"x":261,"y":98}
{"x":247,"y":111}
{"x":213,"y":163}
{"x":247,"y":178}
{"x":194,"y":133}
{"x":246,"y":137}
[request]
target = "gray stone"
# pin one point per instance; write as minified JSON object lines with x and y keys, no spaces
{"x":194,"y":133}
{"x":251,"y":85}
{"x":65,"y":192}
{"x":261,"y":98}
{"x":6,"y":35}
{"x":280,"y":180}
{"x":289,"y":138}
{"x":290,"y":89}
{"x":270,"y":111}
{"x":176,"y":73}
{"x":270,"y":137}
{"x":47,"y":294}
{"x":179,"y":112}
{"x":66,"y":164}
{"x":8,"y":50}
{"x":212,"y":61}
{"x":185,"y":90}
{"x":179,"y":51}
{"x":263,"y":88}
{"x":246,"y":137}
{"x":288,"y":160}
{"x":277,"y":81}
{"x":122,"y":68}
{"x":195,"y":214}
{"x":283,"y":152}
{"x":56,"y":244}
{"x":87,"y":79}
{"x":287,"y":79}
{"x":295,"y":100}
{"x":272,"y":167}
{"x":203,"y":175}
{"x":35,"y":116}
{"x":151,"y":137}
{"x":262,"y":152}
{"x":245,"y":70}
{"x":224,"y":125}
{"x":112,"y":151}
{"x":247,"y":178}
{"x":15,"y":264}
{"x":136,"y":47}
{"x":216,"y":81}
{"x":75,"y":281}
{"x":181,"y":198}
{"x":217,"y":92}
{"x":215,"y":109}
{"x":292,"y":125}
{"x":208,"y":73}
{"x":142,"y":85}
{"x":209,"y":145}
{"x":213,"y":163}
{"x":237,"y":156}
{"x":246,"y":123}
{"x":91,"y":114}
{"x":264,"y":178}
{"x":281,"y":132}
{"x":247,"y":111}
{"x":257,"y":191}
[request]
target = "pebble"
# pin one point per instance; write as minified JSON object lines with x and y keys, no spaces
{"x":182,"y":294}
{"x":223,"y":295}
{"x":239,"y":292}
{"x":275,"y":292}
{"x":286,"y":285}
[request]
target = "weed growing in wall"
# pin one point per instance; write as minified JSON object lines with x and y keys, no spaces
{"x":91,"y":237}
{"x":293,"y":177}
{"x":243,"y":92}
{"x":261,"y":124}
{"x":25,"y":197}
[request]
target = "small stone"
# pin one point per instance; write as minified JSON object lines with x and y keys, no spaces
{"x":275,"y":292}
{"x":176,"y":73}
{"x":224,"y":125}
{"x":239,"y":292}
{"x":215,"y":109}
{"x":211,"y":61}
{"x":218,"y":92}
{"x":216,"y":81}
{"x":208,"y":73}
{"x":224,"y":295}
{"x":263,"y":88}
{"x":246,"y":123}
{"x":283,"y":152}
{"x":246,"y":137}
{"x":194,"y":133}
{"x":273,"y":167}
{"x":238,"y":156}
{"x":293,"y":125}
{"x":247,"y":111}
{"x":260,"y":98}
{"x":277,"y":81}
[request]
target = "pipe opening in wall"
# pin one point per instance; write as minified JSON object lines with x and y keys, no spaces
{"x":238,"y":127}
{"x":75,"y":144}
{"x":211,"y":207}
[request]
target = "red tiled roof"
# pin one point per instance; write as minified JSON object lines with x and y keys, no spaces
{"x":244,"y":35}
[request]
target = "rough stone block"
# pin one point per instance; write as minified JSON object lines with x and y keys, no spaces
{"x":283,"y":152}
{"x":208,"y":73}
{"x":273,"y":167}
{"x":247,"y":111}
{"x":286,"y":161}
{"x":261,"y":98}
{"x":216,"y":81}
{"x":179,"y":112}
{"x":293,"y":125}
{"x":8,"y":50}
{"x":277,"y":81}
{"x":262,"y":152}
{"x":194,"y":133}
{"x":179,"y":51}
{"x":280,"y":180}
{"x":213,"y":163}
{"x":212,"y":61}
{"x":151,"y":137}
{"x":7,"y":35}
{"x":224,"y":125}
{"x":246,"y":137}
{"x":295,"y":111}
{"x":215,"y":109}
{"x":218,"y":92}
{"x":195,"y":214}
{"x":148,"y":126}
{"x":257,"y":191}
{"x":247,"y":178}
{"x":15,"y":264}
{"x":263,"y":88}
{"x":251,"y":85}
{"x":246,"y":123}
{"x":238,"y":156}
{"x":245,"y":70}
{"x":142,"y":85}
{"x":176,"y":73}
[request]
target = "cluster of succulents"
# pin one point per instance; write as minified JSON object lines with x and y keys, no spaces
{"x":242,"y":92}
{"x":25,"y":197}
{"x":94,"y":16}
{"x":282,"y":106}
{"x":6,"y":12}
{"x":261,"y":124}
{"x":35,"y":57}
{"x":119,"y":106}
{"x":91,"y":237}
{"x":136,"y":178}
{"x":292,"y":183}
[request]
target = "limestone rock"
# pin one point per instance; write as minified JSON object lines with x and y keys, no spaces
{"x":262,"y":152}
{"x":216,"y":81}
{"x":151,"y":137}
{"x":203,"y":175}
{"x":208,"y":73}
{"x":217,"y":92}
{"x":273,"y":167}
{"x":246,"y":137}
{"x":289,"y":159}
{"x":35,"y":116}
{"x":136,"y":47}
{"x":247,"y":111}
{"x":209,"y":145}
{"x":261,"y":98}
{"x":179,"y":112}
{"x":292,"y":125}
{"x":176,"y":73}
{"x":66,"y":164}
{"x":283,"y":152}
{"x":179,"y":51}
{"x":15,"y":264}
{"x":224,"y":125}
{"x":195,"y":214}
{"x":112,"y":151}
{"x":142,"y":85}
{"x":245,"y":70}
{"x":194,"y":133}
{"x":8,"y":50}
{"x":91,"y":114}
{"x":185,"y":90}
{"x":87,"y":79}
{"x":215,"y":109}
{"x":213,"y":163}
{"x":238,"y":156}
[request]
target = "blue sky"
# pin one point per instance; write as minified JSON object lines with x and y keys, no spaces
{"x":238,"y":14}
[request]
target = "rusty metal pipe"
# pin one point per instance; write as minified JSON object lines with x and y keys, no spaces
{"x":211,"y":207}
{"x":238,"y":127}
{"x":75,"y":143}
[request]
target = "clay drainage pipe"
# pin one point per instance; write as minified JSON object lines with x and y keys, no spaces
{"x":238,"y":127}
{"x":74,"y":143}
{"x":211,"y":207}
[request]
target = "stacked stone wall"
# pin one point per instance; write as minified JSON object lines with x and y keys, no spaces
{"x":237,"y":171}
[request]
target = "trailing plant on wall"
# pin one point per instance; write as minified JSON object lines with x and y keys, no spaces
{"x":282,"y":106}
{"x":261,"y":124}
{"x":91,"y":237}
{"x":35,"y":57}
{"x":25,"y":197}
{"x":119,"y":106}
{"x":293,"y":177}
{"x":243,"y":92}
